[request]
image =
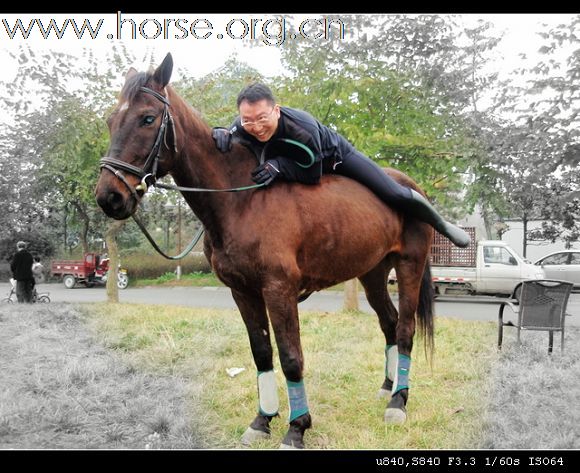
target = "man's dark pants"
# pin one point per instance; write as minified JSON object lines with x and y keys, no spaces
{"x":24,"y":291}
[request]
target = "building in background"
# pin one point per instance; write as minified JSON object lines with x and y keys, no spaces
{"x":514,"y":236}
{"x":511,"y":231}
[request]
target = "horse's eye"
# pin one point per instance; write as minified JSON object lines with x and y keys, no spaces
{"x":148,"y":120}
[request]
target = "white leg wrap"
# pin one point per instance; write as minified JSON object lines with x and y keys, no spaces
{"x":392,"y":363}
{"x":268,"y":393}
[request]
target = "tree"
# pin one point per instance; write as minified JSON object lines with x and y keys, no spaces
{"x":542,"y":143}
{"x":38,"y":244}
{"x":58,"y":137}
{"x":479,"y":85}
{"x":78,"y":140}
{"x":214,"y":95}
{"x":398,"y":92}
{"x":560,"y":211}
{"x":485,"y":190}
{"x":523,"y":185}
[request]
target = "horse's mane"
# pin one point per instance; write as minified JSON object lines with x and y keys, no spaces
{"x":134,"y":83}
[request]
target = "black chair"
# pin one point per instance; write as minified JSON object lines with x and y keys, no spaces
{"x":540,"y":304}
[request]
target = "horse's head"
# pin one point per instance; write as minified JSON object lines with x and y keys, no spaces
{"x":142,"y":141}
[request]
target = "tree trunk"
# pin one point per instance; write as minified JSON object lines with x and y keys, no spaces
{"x":86,"y":221}
{"x":525,"y":236}
{"x":65,"y":230}
{"x":487,"y":222}
{"x":113,"y":230}
{"x":351,"y":295}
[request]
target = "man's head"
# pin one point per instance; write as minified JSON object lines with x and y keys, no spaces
{"x":258,"y":110}
{"x":21,"y":245}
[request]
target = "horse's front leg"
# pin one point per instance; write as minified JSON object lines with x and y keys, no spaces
{"x":283,"y":310}
{"x":253,"y":313}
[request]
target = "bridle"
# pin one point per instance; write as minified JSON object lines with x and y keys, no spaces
{"x":149,"y":169}
{"x":149,"y":172}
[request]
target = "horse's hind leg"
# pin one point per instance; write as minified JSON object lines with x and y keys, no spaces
{"x":409,"y":277}
{"x":253,"y":311}
{"x":374,"y":283}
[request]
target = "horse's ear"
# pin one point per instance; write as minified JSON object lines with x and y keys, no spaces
{"x":130,"y":73}
{"x":163,"y":72}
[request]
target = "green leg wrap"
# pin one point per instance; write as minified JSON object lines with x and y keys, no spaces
{"x":402,"y":379}
{"x":296,"y":399}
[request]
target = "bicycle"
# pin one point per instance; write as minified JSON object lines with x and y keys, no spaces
{"x":42,"y":297}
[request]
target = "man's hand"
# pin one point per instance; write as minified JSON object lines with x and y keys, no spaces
{"x":222,"y":138}
{"x":266,"y":173}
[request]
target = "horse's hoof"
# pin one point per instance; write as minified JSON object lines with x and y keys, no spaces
{"x":384,"y":394}
{"x":251,"y":435}
{"x":385,"y":390}
{"x":395,"y":416}
{"x":285,"y":446}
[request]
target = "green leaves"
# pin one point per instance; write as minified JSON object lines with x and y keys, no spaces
{"x":394,"y":93}
{"x":535,"y":153}
{"x":55,"y":139}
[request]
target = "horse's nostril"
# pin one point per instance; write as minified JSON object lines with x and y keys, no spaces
{"x":115,"y":200}
{"x":110,"y":201}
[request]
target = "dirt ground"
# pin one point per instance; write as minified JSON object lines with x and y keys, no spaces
{"x":61,"y":389}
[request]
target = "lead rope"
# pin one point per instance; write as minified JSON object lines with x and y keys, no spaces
{"x":143,"y":187}
{"x":199,"y":189}
{"x":181,"y":255}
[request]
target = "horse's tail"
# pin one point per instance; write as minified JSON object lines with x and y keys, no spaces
{"x":425,"y":309}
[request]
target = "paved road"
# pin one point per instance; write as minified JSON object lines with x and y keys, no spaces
{"x":467,"y":308}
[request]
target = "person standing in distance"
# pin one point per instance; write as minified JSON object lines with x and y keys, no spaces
{"x":37,"y":271}
{"x":21,"y":266}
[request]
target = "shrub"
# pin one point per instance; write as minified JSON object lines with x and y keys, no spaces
{"x":38,"y":244}
{"x":153,"y":266}
{"x":5,"y":273}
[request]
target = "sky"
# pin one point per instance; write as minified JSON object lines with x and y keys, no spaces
{"x":201,"y":43}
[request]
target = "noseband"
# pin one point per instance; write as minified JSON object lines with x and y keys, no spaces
{"x":149,"y":169}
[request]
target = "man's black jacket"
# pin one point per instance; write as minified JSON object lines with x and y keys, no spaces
{"x":21,"y":266}
{"x":327,"y":146}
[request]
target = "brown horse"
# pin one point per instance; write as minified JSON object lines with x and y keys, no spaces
{"x":273,"y":245}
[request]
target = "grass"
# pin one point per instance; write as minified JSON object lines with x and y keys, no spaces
{"x":534,"y":401}
{"x":138,"y":376}
{"x":197,"y":279}
{"x":344,"y":355}
{"x":203,"y":279}
{"x":62,"y":390}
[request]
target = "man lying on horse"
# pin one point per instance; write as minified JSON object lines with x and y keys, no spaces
{"x":294,"y":146}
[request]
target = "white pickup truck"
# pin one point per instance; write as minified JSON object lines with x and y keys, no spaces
{"x":488,"y":267}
